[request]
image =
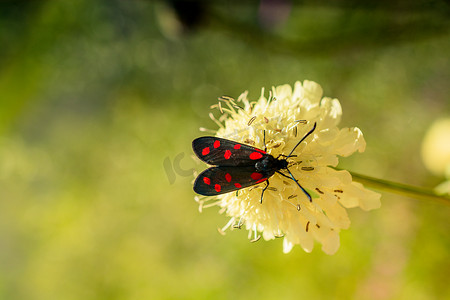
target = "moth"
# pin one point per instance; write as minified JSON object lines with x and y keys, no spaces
{"x":237,"y":166}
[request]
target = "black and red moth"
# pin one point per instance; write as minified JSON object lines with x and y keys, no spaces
{"x":237,"y":166}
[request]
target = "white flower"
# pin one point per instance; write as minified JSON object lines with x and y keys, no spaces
{"x":436,"y":152}
{"x":285,"y":117}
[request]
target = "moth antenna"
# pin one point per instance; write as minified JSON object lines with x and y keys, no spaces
{"x":303,"y":138}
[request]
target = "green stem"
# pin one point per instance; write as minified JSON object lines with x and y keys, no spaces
{"x":400,"y":189}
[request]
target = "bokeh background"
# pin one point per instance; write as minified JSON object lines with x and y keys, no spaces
{"x":100,"y":101}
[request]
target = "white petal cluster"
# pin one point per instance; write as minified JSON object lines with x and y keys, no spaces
{"x":285,"y":117}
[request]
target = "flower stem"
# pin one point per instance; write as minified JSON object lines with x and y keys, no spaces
{"x":400,"y":189}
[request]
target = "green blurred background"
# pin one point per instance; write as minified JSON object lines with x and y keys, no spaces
{"x":100,"y":101}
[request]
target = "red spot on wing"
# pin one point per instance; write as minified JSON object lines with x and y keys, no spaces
{"x":216,"y":144}
{"x":217,"y":187}
{"x":256,"y":176}
{"x":227,"y":154}
{"x":237,"y":185}
{"x":255,"y":155}
{"x":228,"y":177}
{"x":237,"y":147}
{"x":261,"y":180}
{"x":205,"y":151}
{"x":207,"y":180}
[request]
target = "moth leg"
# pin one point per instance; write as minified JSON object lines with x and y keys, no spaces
{"x":262,"y":194}
{"x":282,"y":155}
{"x":283,"y":175}
{"x":296,"y":181}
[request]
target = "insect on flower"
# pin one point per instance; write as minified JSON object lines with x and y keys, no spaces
{"x":293,"y":134}
{"x":238,"y":166}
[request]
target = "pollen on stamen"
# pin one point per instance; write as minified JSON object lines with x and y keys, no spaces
{"x":249,"y":141}
{"x":251,"y":121}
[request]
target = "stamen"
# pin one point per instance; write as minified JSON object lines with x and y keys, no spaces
{"x":226,"y":98}
{"x":230,"y":222}
{"x":203,"y":129}
{"x":249,"y":141}
{"x":307,"y":168}
{"x":294,"y":205}
{"x":228,"y":102}
{"x":255,"y":239}
{"x":231,"y":103}
{"x":215,"y":120}
{"x":251,"y":120}
{"x":211,"y":204}
{"x":223,"y":117}
{"x":276,"y":146}
{"x":239,"y":224}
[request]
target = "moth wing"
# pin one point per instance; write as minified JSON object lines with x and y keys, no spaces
{"x":223,"y":152}
{"x":220,"y":180}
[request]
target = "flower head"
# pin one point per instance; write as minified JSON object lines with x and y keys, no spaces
{"x":284,"y":118}
{"x":436,"y":152}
